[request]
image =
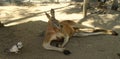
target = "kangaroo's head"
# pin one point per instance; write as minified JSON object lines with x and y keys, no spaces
{"x":55,"y":23}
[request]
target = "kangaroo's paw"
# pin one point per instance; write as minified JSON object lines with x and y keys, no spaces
{"x":66,"y":52}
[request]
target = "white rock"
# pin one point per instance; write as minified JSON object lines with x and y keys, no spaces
{"x":19,"y":45}
{"x":14,"y":49}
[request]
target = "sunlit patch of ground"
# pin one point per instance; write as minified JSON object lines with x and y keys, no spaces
{"x":13,"y":15}
{"x":36,"y":13}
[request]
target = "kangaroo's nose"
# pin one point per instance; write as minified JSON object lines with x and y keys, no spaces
{"x":114,"y":33}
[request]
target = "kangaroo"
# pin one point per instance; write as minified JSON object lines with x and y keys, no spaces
{"x":57,"y":33}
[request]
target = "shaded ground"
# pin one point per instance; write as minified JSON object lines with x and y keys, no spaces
{"x":27,"y":25}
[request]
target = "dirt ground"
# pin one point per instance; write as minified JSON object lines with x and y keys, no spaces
{"x":26,"y":24}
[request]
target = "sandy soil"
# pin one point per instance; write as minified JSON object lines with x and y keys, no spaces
{"x":26,"y":24}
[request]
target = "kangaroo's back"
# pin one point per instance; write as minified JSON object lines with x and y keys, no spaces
{"x":68,"y":27}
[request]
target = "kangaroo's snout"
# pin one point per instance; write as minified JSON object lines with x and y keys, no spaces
{"x":115,"y":33}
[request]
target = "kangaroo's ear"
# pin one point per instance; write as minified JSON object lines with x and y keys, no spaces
{"x":52,"y":13}
{"x":48,"y":16}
